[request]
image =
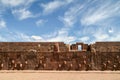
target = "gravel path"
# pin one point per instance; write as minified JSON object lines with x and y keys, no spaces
{"x":59,"y":75}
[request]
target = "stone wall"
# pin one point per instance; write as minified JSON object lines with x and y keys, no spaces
{"x":59,"y":56}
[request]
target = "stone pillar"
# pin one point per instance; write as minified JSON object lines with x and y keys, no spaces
{"x":58,"y":47}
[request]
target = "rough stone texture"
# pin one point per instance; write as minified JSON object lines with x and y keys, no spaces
{"x":59,"y":56}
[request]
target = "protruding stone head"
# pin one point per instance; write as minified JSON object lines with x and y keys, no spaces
{"x":26,"y":62}
{"x":2,"y":65}
{"x":13,"y":61}
{"x":65,"y":62}
{"x":84,"y":62}
{"x":71,"y":65}
{"x":21,"y":65}
{"x":59,"y":65}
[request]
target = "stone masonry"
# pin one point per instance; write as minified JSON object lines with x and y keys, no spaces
{"x":59,"y":56}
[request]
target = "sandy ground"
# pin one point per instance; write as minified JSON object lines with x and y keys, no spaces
{"x":59,"y":75}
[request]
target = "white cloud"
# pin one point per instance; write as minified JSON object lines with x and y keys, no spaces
{"x":14,"y":3}
{"x":66,"y":39}
{"x":93,"y":19}
{"x":19,"y":8}
{"x":84,"y":39}
{"x":61,"y":36}
{"x":50,"y":35}
{"x":2,"y":24}
{"x":68,"y":19}
{"x":54,"y":5}
{"x":88,"y":14}
{"x":18,"y":36}
{"x":116,"y":37}
{"x":22,"y":14}
{"x":1,"y":10}
{"x":110,"y":30}
{"x":40,"y":22}
{"x":101,"y":34}
{"x":100,"y":13}
{"x":106,"y":34}
{"x":24,"y":37}
{"x":2,"y":38}
{"x":101,"y":37}
{"x":71,"y":15}
{"x":37,"y":38}
{"x":107,"y":37}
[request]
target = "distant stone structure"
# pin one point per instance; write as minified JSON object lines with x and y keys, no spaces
{"x":59,"y":56}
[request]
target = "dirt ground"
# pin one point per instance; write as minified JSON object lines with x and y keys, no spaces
{"x":59,"y":75}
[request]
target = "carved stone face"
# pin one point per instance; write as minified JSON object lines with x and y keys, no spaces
{"x":26,"y":62}
{"x":114,"y":65}
{"x":13,"y":61}
{"x":59,"y":65}
{"x":44,"y":65}
{"x":71,"y":65}
{"x":15,"y":65}
{"x":84,"y":62}
{"x":117,"y":57}
{"x":36,"y":65}
{"x":109,"y":61}
{"x":21,"y":65}
{"x":39,"y":45}
{"x":104,"y":64}
{"x":65,"y":62}
{"x":2,"y":65}
{"x":80,"y":65}
{"x":89,"y":65}
{"x":40,"y":61}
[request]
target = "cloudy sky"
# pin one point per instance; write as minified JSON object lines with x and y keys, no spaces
{"x":60,"y":20}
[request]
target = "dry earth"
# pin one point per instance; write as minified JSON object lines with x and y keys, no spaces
{"x":59,"y":75}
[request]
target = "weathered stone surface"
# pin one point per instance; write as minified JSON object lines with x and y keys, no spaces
{"x":59,"y":56}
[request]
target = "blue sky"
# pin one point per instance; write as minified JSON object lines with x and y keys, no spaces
{"x":69,"y":21}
